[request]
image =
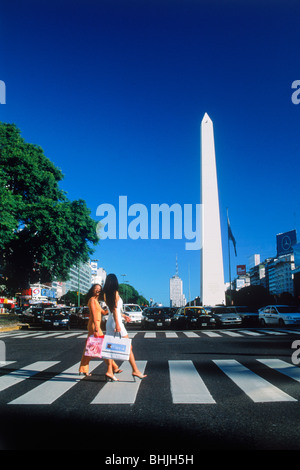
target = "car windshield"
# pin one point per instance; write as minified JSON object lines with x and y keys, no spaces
{"x":159,"y":311}
{"x":224,"y":310}
{"x":197,"y":311}
{"x":288,"y":309}
{"x":133,"y":308}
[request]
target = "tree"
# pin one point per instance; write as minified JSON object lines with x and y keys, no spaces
{"x":252,"y":296}
{"x":71,"y":298}
{"x":130,"y":295}
{"x":42,"y":232}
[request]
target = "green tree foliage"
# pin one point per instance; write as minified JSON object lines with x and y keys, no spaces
{"x":130,"y":295}
{"x":71,"y":298}
{"x":252,"y":296}
{"x":42,"y":232}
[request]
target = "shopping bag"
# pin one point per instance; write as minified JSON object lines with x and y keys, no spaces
{"x":116,"y":347}
{"x":93,"y":346}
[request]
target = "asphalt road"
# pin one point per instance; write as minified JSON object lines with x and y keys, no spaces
{"x":214,"y":390}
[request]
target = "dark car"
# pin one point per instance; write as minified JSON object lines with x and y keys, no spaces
{"x":192,"y":318}
{"x":56,"y":318}
{"x":249,"y":315}
{"x":33,"y":315}
{"x":79,"y":317}
{"x":157,"y":317}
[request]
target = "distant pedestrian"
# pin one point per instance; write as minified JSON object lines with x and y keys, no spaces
{"x":94,"y":328}
{"x":114,"y":322}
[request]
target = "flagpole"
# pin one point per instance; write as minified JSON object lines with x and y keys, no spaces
{"x":229,"y":258}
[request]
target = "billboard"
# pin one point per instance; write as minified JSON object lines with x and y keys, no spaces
{"x":241,"y":269}
{"x":285,"y":242}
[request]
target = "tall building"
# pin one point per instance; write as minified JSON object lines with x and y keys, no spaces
{"x":177,"y":298}
{"x":281,"y":274}
{"x":80,"y":279}
{"x":212,"y":270}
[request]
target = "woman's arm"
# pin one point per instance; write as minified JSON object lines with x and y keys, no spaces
{"x":115,"y":314}
{"x":93,"y":308}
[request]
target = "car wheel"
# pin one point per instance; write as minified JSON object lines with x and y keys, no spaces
{"x":262,"y":323}
{"x":281,"y":323}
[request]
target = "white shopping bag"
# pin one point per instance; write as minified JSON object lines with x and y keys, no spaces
{"x":115,"y":347}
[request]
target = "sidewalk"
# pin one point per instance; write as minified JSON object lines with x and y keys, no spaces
{"x":10,"y":322}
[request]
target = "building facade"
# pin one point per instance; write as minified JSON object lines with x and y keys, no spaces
{"x":177,"y":298}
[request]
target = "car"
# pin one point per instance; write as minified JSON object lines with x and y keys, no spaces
{"x":279,"y":315}
{"x":79,"y":316}
{"x":224,"y":316}
{"x":157,"y":317}
{"x":134,"y":312}
{"x":56,"y":318}
{"x":249,"y":315}
{"x":192,"y":317}
{"x":33,"y":315}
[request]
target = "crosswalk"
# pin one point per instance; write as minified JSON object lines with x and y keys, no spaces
{"x":238,"y":333}
{"x":187,"y":382}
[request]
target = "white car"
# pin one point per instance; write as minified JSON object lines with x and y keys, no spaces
{"x":279,"y":315}
{"x":134,"y":311}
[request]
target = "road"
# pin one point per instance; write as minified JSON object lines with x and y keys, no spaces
{"x":205,"y":390}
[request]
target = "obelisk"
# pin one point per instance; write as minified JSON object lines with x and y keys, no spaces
{"x":212,"y":269}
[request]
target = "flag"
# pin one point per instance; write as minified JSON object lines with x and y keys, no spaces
{"x":230,"y":235}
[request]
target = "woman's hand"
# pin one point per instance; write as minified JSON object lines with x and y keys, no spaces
{"x":118,"y":328}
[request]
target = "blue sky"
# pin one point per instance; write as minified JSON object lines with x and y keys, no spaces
{"x":115,"y":92}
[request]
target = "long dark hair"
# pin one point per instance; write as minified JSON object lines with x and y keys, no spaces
{"x":110,"y":289}
{"x":90,"y":293}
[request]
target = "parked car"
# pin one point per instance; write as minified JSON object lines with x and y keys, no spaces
{"x":79,"y":317}
{"x":224,"y":316}
{"x":192,"y":318}
{"x":249,"y":315}
{"x":135,"y":313}
{"x":157,"y":317}
{"x":33,"y":315}
{"x":56,"y":318}
{"x":279,"y":315}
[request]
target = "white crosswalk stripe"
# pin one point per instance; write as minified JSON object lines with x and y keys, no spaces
{"x":186,"y":383}
{"x":52,"y":389}
{"x":219,"y":333}
{"x":122,"y":393}
{"x":19,"y":375}
{"x":257,"y":388}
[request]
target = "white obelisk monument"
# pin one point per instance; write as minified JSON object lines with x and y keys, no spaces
{"x":212,"y":270}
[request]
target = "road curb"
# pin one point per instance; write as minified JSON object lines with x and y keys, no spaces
{"x":18,"y":326}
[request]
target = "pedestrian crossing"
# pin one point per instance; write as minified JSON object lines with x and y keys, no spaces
{"x":188,"y":385}
{"x":237,"y":333}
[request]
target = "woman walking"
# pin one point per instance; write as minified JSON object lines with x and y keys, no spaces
{"x":94,"y":328}
{"x":114,"y":322}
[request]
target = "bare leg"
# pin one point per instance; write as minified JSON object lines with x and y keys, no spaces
{"x":135,"y":370}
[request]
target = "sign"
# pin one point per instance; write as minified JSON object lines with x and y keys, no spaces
{"x":241,"y":269}
{"x":285,"y":242}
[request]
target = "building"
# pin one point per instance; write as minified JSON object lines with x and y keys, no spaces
{"x":177,"y":298}
{"x":280,"y":274}
{"x":80,"y":280}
